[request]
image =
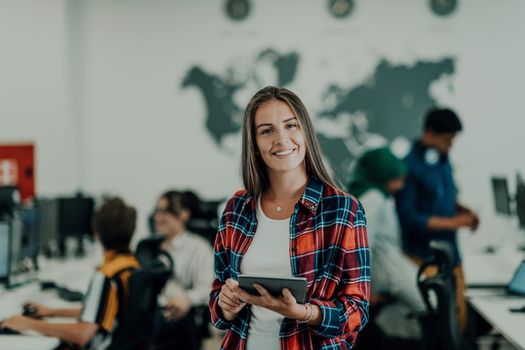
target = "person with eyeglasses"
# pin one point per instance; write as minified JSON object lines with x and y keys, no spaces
{"x":192,"y":276}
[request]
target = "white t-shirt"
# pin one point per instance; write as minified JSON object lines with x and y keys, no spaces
{"x":193,"y":269}
{"x":268,"y":255}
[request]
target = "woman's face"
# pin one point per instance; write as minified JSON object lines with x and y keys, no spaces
{"x":280,"y":139}
{"x":167,"y":223}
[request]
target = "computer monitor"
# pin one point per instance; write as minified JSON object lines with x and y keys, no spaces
{"x":205,"y":221}
{"x":9,"y":200}
{"x":501,"y":195}
{"x":30,"y":241}
{"x":74,"y":220}
{"x":4,"y":250}
{"x":520,"y":203}
{"x":15,"y":267}
{"x":47,"y":225}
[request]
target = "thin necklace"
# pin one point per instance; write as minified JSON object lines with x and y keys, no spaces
{"x":279,"y":208}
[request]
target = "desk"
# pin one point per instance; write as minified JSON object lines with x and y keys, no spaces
{"x":71,"y":273}
{"x":27,"y":342}
{"x":495,"y":310}
{"x":482,"y":268}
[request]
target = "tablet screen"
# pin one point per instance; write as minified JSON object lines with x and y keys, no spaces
{"x":517,"y":285}
{"x":275,"y":285}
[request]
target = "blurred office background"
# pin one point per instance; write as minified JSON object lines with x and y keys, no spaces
{"x":133,"y":97}
{"x":130,"y":97}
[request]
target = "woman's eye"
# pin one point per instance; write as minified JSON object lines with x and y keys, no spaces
{"x":291,"y":126}
{"x":266,"y":131}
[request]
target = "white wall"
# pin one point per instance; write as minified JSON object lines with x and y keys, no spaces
{"x":34,"y":103}
{"x":140,"y":132}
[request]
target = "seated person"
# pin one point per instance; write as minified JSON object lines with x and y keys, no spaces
{"x":103,"y":308}
{"x":377,"y":176}
{"x":193,"y":271}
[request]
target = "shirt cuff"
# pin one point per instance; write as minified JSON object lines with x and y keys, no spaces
{"x":217,"y":318}
{"x":331,"y":324}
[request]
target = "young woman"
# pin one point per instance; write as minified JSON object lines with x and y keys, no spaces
{"x":290,"y":220}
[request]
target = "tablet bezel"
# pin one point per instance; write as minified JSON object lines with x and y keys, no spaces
{"x":274,"y":285}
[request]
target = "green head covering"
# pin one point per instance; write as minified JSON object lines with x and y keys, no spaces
{"x":374,"y":169}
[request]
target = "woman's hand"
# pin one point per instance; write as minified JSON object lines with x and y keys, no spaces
{"x":284,"y":304}
{"x":229,"y":301}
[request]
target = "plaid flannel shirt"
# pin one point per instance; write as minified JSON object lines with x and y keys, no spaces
{"x":328,"y":246}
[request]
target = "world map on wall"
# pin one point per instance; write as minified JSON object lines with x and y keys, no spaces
{"x":388,"y":105}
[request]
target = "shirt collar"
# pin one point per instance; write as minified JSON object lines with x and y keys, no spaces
{"x":310,"y":198}
{"x":178,"y":241}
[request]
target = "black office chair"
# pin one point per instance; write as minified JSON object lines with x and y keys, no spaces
{"x":145,"y":283}
{"x":150,"y":254}
{"x":136,"y":333}
{"x":440,"y":325}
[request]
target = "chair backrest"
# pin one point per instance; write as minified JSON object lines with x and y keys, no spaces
{"x":444,"y":332}
{"x":136,"y":332}
{"x":438,"y":291}
{"x":145,"y":283}
{"x":150,"y":254}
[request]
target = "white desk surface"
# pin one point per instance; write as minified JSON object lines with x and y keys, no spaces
{"x":481,"y":267}
{"x":27,"y":342}
{"x":495,"y":310}
{"x":71,"y":273}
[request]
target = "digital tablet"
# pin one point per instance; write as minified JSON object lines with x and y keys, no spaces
{"x":517,"y":284}
{"x":275,"y":285}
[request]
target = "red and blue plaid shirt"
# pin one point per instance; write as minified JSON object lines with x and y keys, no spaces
{"x":328,"y":246}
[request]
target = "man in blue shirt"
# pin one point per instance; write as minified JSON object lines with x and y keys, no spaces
{"x":427,"y":205}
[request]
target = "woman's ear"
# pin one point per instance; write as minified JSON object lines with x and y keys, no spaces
{"x":185,"y":215}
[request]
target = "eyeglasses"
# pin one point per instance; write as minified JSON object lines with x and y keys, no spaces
{"x":162,"y":211}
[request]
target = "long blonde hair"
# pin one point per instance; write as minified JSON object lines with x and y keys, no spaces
{"x":254,"y":174}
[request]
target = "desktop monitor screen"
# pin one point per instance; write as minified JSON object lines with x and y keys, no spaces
{"x":47,"y":224}
{"x":520,"y":203}
{"x":501,"y":195}
{"x":4,"y":250}
{"x":16,"y":258}
{"x":74,"y":216}
{"x":11,"y":232}
{"x":517,"y":284}
{"x":29,"y":247}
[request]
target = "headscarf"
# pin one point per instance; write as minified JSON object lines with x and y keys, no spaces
{"x":373,"y":171}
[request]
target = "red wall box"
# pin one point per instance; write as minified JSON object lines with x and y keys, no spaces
{"x":24,"y":156}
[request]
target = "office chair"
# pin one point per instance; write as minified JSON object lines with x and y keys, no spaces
{"x":440,"y":325}
{"x":145,"y":283}
{"x":150,"y":254}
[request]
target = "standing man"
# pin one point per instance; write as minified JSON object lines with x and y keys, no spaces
{"x":427,"y":205}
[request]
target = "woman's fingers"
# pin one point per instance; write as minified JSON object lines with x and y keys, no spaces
{"x":226,"y":304}
{"x":288,"y":298}
{"x":231,"y":283}
{"x":262,"y":291}
{"x":230,"y":300}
